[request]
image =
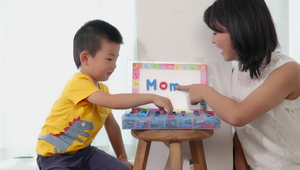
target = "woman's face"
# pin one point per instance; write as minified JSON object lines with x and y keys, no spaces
{"x":223,"y":42}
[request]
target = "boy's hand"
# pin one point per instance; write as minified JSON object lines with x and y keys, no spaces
{"x":130,"y":165}
{"x":195,"y":92}
{"x":163,"y":102}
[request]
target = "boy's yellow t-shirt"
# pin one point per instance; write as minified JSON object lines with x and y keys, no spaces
{"x":73,"y":122}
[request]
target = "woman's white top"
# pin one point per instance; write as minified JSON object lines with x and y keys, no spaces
{"x":272,"y":141}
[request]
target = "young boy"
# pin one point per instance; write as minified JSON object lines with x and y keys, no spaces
{"x":85,"y":106}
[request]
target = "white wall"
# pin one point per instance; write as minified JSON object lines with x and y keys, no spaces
{"x":173,"y":30}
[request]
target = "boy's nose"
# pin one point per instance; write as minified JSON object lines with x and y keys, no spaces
{"x":114,"y":65}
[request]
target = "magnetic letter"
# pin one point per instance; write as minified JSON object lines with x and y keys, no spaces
{"x":151,"y":84}
{"x":173,"y":85}
{"x":163,"y":85}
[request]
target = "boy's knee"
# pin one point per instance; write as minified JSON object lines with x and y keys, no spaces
{"x":123,"y":166}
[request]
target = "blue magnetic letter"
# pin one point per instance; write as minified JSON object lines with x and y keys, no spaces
{"x":173,"y":85}
{"x":151,"y":84}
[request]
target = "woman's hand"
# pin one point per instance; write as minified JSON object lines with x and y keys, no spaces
{"x":195,"y":92}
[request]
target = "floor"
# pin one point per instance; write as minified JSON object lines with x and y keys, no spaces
{"x":30,"y":164}
{"x":19,"y":164}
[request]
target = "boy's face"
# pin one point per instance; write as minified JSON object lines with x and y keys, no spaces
{"x":103,"y":64}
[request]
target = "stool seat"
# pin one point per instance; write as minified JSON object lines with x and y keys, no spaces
{"x":174,"y":137}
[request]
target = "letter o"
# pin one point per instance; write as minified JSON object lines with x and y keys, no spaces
{"x":163,"y":85}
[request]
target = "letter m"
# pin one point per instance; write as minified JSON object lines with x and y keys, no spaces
{"x":151,"y":84}
{"x":173,"y":85}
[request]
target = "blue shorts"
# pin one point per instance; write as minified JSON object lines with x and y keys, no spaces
{"x":89,"y":158}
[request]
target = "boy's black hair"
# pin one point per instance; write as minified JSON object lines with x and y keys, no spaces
{"x":251,"y":28}
{"x":90,"y":37}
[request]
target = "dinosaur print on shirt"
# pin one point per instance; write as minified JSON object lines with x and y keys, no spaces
{"x":64,"y":140}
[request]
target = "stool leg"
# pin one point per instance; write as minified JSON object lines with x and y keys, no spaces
{"x":175,"y":156}
{"x":198,"y":156}
{"x":141,"y":156}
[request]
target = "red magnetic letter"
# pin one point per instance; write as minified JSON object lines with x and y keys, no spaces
{"x":163,"y":85}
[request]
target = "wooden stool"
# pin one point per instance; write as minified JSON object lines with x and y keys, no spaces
{"x":174,"y":137}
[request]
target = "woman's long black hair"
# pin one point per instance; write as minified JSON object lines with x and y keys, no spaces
{"x":251,"y":28}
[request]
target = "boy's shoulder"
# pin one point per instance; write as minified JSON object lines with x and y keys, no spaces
{"x":79,"y":81}
{"x":82,"y":76}
{"x":103,"y":87}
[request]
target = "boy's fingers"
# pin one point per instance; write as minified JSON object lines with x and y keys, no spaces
{"x":194,"y":103}
{"x":169,"y":107}
{"x":162,"y":110}
{"x":165,"y":110}
{"x":169,"y":110}
{"x":183,"y":88}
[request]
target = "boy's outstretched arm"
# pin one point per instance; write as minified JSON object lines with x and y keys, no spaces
{"x":115,"y":138}
{"x":125,"y":101}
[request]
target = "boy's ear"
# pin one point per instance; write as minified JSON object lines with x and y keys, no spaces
{"x":84,"y":57}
